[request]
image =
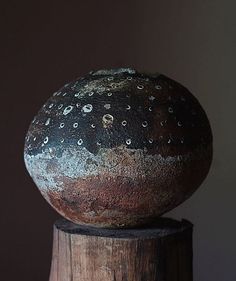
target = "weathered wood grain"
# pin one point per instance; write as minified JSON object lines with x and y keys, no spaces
{"x":160,"y":252}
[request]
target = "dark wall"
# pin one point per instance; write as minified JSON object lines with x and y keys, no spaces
{"x":45,"y":44}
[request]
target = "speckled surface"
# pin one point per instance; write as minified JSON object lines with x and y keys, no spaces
{"x":117,"y":148}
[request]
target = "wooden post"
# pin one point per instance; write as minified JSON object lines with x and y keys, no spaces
{"x":160,"y":252}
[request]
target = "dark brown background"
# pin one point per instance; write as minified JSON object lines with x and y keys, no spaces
{"x":44,"y":45}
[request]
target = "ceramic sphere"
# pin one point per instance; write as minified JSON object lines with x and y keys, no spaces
{"x":118,"y":148}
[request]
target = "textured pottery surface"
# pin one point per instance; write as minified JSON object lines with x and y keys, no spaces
{"x":118,"y":148}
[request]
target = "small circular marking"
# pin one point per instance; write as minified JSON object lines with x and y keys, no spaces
{"x":62,"y":140}
{"x":128,"y":107}
{"x":87,"y":108}
{"x":75,"y":125}
{"x":162,"y":123}
{"x":77,"y":95}
{"x":67,"y":110}
{"x":179,"y":124}
{"x":62,"y":125}
{"x":144,"y":124}
{"x":129,"y":78}
{"x":158,"y":87}
{"x":150,"y":140}
{"x":140,"y":87}
{"x":80,"y":141}
{"x":109,"y":94}
{"x":48,"y":121}
{"x":101,"y":90}
{"x":150,"y":108}
{"x":98,"y":143}
{"x":170,"y":109}
{"x":107,"y":120}
{"x":124,"y":123}
{"x":91,"y":94}
{"x":60,"y":106}
{"x":110,"y":78}
{"x":107,"y":105}
{"x":45,"y":140}
{"x":128,"y":141}
{"x":93,"y":126}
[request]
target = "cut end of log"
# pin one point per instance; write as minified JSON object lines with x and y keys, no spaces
{"x":161,"y":251}
{"x":161,"y":227}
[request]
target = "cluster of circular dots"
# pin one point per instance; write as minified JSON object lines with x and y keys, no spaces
{"x":65,"y":106}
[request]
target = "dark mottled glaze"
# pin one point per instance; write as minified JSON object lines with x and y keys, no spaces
{"x":118,"y":148}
